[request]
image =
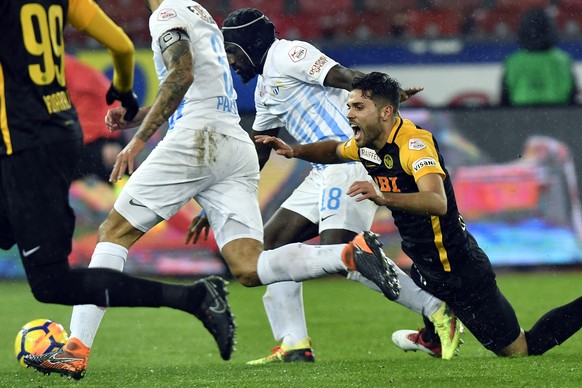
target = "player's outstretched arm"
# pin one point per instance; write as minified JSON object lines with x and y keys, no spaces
{"x":264,"y":150}
{"x":341,"y":77}
{"x":325,"y":152}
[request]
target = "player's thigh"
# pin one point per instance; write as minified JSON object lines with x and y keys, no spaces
{"x":287,"y":226}
{"x":305,"y":199}
{"x":337,"y":209}
{"x":492,"y":321}
{"x":36,"y":210}
{"x":231,"y":201}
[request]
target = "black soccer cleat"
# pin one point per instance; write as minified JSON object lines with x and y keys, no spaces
{"x":215,"y":314}
{"x":371,"y":261}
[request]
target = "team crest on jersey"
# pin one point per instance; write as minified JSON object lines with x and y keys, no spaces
{"x":315,"y":69}
{"x":166,"y":14}
{"x":370,"y":155}
{"x":423,"y":162}
{"x":388,"y":162}
{"x":297,"y":53}
{"x":201,"y":13}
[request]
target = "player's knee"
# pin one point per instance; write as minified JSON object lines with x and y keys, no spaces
{"x":246,"y":277}
{"x":48,"y":282}
{"x":46,"y":291}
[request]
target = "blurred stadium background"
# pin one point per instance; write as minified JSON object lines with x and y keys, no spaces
{"x":516,"y":170}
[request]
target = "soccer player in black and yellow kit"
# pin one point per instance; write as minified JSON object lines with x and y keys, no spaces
{"x":40,"y":144}
{"x":412,"y":181}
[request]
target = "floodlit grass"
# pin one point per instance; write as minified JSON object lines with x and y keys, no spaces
{"x":350,"y":326}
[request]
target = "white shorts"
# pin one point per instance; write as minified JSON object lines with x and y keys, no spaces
{"x":322,"y":199}
{"x":220,"y":172}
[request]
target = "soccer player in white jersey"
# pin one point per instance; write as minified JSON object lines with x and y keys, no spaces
{"x":304,"y":91}
{"x":205,"y":155}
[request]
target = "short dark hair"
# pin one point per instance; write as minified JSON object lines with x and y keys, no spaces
{"x":380,"y":88}
{"x":537,"y":31}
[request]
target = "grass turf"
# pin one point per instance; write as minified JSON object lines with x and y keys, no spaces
{"x":350,"y":327}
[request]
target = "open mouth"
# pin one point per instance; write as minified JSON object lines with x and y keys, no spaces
{"x":357,"y":131}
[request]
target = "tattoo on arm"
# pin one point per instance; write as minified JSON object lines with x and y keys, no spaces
{"x":179,"y":62}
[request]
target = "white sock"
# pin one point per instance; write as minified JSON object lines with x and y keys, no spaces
{"x":86,"y":318}
{"x":411,"y":296}
{"x":284,"y":306}
{"x":299,"y":262}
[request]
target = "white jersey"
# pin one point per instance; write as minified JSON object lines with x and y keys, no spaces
{"x":210,"y":102}
{"x":290,"y":94}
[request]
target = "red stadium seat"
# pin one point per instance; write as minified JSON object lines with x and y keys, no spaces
{"x":132,"y":16}
{"x":268,"y":7}
{"x":296,"y":26}
{"x":385,"y":7}
{"x":434,"y":23}
{"x":368,"y":25}
{"x":521,"y":5}
{"x":569,"y":18}
{"x":326,"y":7}
{"x":498,"y":22}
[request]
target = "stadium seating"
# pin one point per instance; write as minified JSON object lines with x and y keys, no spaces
{"x":433,"y":23}
{"x":269,"y":7}
{"x":359,"y":20}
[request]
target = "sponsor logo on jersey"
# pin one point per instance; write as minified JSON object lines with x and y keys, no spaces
{"x":315,"y":69}
{"x":297,"y":53}
{"x":423,"y":162}
{"x":275,"y":90}
{"x":370,"y":155}
{"x":388,"y":162}
{"x":202,"y":13}
{"x":416,"y":144}
{"x":166,"y":13}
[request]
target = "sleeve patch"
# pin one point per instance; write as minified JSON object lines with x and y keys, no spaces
{"x":424,"y":162}
{"x":297,"y":53}
{"x":416,"y":144}
{"x":166,"y":13}
{"x":315,"y":69}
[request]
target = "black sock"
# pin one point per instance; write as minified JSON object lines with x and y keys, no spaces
{"x":555,"y":327}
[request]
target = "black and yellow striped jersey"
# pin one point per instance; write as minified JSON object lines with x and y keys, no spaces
{"x":434,"y":243}
{"x":35,"y":108}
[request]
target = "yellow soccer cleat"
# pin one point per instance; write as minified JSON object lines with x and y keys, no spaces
{"x":301,"y":352}
{"x":449,"y":329}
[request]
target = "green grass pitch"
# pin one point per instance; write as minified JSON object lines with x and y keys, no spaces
{"x":349,"y":324}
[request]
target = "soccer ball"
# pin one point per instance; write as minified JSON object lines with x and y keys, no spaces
{"x":38,"y":337}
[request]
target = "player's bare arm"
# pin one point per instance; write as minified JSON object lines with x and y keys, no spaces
{"x":264,"y":150}
{"x":430,"y":199}
{"x":341,"y":77}
{"x":325,"y":152}
{"x":179,"y":62}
